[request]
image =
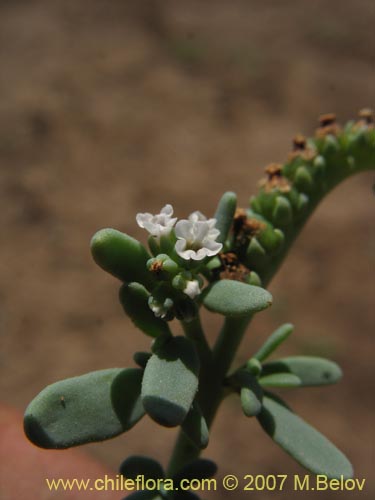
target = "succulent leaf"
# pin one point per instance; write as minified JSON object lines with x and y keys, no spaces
{"x":138,"y":465}
{"x":170,"y":381}
{"x":280,"y":380}
{"x":122,"y":256}
{"x":236,"y":299}
{"x":224,"y":214}
{"x":273,"y":341}
{"x":92,"y":407}
{"x":310,"y":370}
{"x":304,"y":443}
{"x":134,"y":299}
{"x":195,"y":427}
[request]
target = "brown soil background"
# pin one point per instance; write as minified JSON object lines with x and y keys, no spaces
{"x":110,"y":108}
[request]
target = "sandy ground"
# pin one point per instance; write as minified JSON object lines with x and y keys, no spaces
{"x":110,"y":108}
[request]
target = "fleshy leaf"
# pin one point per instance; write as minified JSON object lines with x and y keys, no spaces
{"x":185,"y":495}
{"x":134,"y":300}
{"x":273,"y":341}
{"x":280,"y":380}
{"x":282,"y":214}
{"x":201,"y":468}
{"x":234,"y":298}
{"x":92,"y":407}
{"x":251,"y":394}
{"x":195,"y":427}
{"x":141,"y":358}
{"x":310,"y":370}
{"x":144,"y":495}
{"x":170,"y":381}
{"x":138,"y":465}
{"x":304,"y":443}
{"x":224,"y":215}
{"x":122,"y":256}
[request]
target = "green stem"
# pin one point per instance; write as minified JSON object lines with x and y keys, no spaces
{"x":194,"y":331}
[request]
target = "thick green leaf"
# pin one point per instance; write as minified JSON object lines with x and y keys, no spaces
{"x":280,"y":380}
{"x":144,"y":495}
{"x":185,"y":495}
{"x":141,"y":466}
{"x":195,"y":427}
{"x":282,"y":214}
{"x":91,"y":407}
{"x":201,"y":468}
{"x":224,"y":214}
{"x":273,"y":341}
{"x":251,"y":394}
{"x":134,"y":299}
{"x":170,"y":381}
{"x":304,"y":443}
{"x":122,"y":256}
{"x":310,"y":370}
{"x":141,"y":358}
{"x":234,"y":298}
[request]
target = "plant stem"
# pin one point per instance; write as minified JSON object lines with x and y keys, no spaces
{"x":212,"y":375}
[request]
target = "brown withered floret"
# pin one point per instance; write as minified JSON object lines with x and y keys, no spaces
{"x":366,"y":118}
{"x":299,"y":142}
{"x":243,"y":224}
{"x":327,"y":119}
{"x":156,"y":267}
{"x":245,"y":228}
{"x":273,"y":170}
{"x":301,"y":149}
{"x":275,"y":179}
{"x":327,"y":126}
{"x":231,"y":268}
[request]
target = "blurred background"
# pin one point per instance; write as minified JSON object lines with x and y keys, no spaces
{"x":111,"y":108}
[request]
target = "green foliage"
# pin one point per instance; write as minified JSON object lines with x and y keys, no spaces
{"x":222,"y":264}
{"x":235,"y":299}
{"x":309,"y":370}
{"x":195,"y":427}
{"x":251,"y":394}
{"x":137,"y":465}
{"x":201,"y":468}
{"x":134,"y":299}
{"x":224,"y":214}
{"x":273,"y":341}
{"x":170,"y":381}
{"x":91,"y":407}
{"x":122,"y":256}
{"x":305,"y":444}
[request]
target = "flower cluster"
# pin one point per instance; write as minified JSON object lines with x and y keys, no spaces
{"x":179,"y":249}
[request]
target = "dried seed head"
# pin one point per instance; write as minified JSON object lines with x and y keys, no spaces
{"x":367,"y":115}
{"x":327,"y":119}
{"x":275,"y":179}
{"x":253,"y":226}
{"x":274,"y":170}
{"x":156,"y":267}
{"x":301,"y":149}
{"x":299,"y":143}
{"x":231,"y":267}
{"x":328,"y":125}
{"x":242,"y":226}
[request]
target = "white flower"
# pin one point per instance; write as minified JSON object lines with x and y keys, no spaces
{"x":192,"y":288}
{"x":160,"y":309}
{"x":196,"y":237}
{"x":159,"y":224}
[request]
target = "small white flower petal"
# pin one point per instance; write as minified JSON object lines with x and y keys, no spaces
{"x":157,"y":225}
{"x":197,"y":216}
{"x":196,"y":237}
{"x":192,"y":289}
